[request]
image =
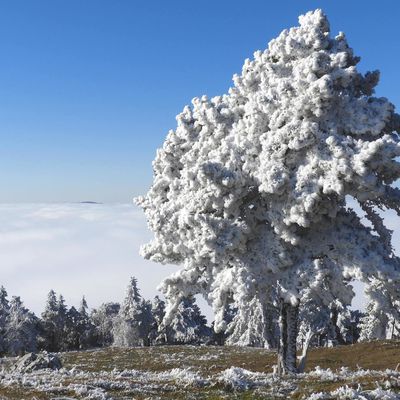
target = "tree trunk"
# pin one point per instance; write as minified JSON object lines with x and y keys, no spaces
{"x":288,"y":336}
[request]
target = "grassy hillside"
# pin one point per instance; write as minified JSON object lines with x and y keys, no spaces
{"x":189,"y":372}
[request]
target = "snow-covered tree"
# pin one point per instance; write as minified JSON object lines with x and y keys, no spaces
{"x":4,"y":311}
{"x":72,"y":335}
{"x":79,"y":330}
{"x":381,"y":312}
{"x":254,"y":324}
{"x":328,"y":325}
{"x":158,"y":310}
{"x":188,"y":326}
{"x":84,"y":326}
{"x":48,"y":336}
{"x":158,"y":313}
{"x":20,"y":329}
{"x":147,"y":323}
{"x":249,"y":191}
{"x":220,"y":337}
{"x":132,"y":325}
{"x":103,"y":321}
{"x":349,"y":324}
{"x":62,"y":321}
{"x":54,"y":324}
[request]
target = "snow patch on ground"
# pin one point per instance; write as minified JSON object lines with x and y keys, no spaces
{"x":242,"y":379}
{"x":98,"y":385}
{"x":346,"y":392}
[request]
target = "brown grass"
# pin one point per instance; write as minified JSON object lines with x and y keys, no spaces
{"x":378,"y":355}
{"x":210,"y":360}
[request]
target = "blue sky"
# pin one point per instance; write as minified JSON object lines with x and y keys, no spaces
{"x":88,"y":89}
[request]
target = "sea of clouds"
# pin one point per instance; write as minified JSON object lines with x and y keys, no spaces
{"x":86,"y":249}
{"x":75,"y":249}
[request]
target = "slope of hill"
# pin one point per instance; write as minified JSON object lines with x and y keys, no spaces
{"x":190,"y":372}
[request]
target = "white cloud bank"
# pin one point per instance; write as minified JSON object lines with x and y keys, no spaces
{"x":84,"y":249}
{"x":75,"y":249}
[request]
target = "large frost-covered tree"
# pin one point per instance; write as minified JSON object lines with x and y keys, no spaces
{"x":249,"y":191}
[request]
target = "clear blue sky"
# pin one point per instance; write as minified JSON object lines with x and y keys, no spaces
{"x":88,"y":89}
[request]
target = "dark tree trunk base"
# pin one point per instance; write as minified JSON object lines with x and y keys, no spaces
{"x":288,"y":336}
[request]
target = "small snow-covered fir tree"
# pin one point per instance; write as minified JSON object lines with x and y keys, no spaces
{"x":158,"y":313}
{"x":4,"y":311}
{"x":84,"y":326}
{"x":103,"y":320}
{"x":381,"y":312}
{"x":158,"y":310}
{"x":48,"y":338}
{"x":20,"y":329}
{"x":349,"y":325}
{"x":188,"y":326}
{"x":147,"y":323}
{"x":132,"y":324}
{"x":72,"y":336}
{"x":54,"y":324}
{"x":249,"y":191}
{"x":61,"y":327}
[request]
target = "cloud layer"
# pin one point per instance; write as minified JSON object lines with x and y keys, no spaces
{"x":75,"y":249}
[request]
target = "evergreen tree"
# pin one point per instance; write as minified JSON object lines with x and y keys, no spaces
{"x":84,"y":326}
{"x":130,"y":326}
{"x":188,"y":325}
{"x":158,"y":313}
{"x":72,"y":334}
{"x":381,"y":312}
{"x":349,"y":323}
{"x":102,"y":320}
{"x":4,"y":311}
{"x":147,"y":323}
{"x":49,"y":339}
{"x":62,"y":315}
{"x":54,"y":324}
{"x":20,"y":329}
